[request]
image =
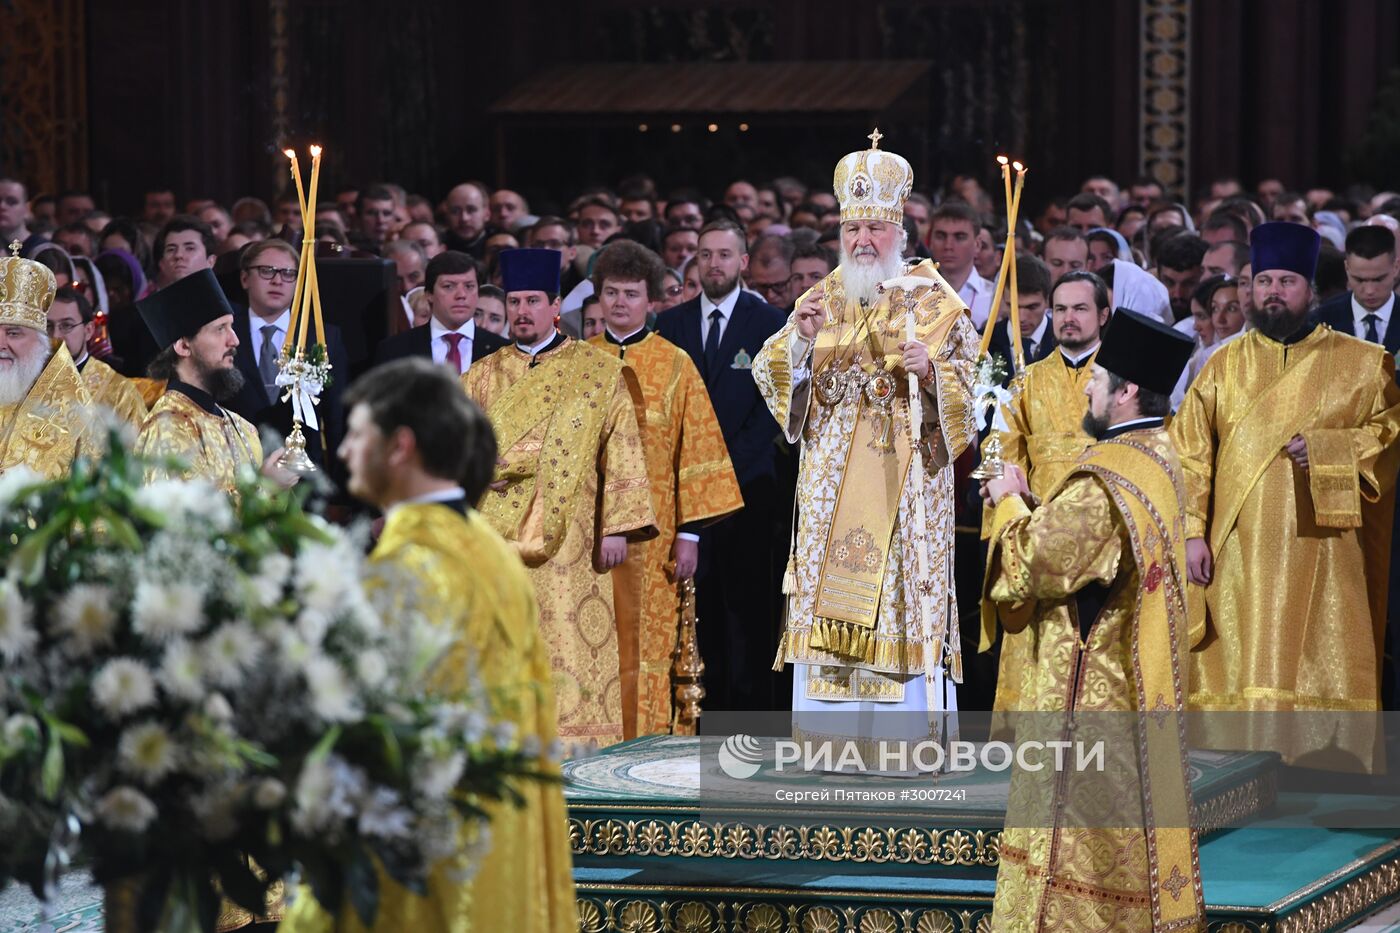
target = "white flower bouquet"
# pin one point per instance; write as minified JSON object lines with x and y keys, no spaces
{"x":197,"y":696}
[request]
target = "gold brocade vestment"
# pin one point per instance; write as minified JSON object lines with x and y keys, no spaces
{"x":864,"y":537}
{"x":1296,"y":606}
{"x":456,"y":571}
{"x":1109,"y":850}
{"x":212,"y":445}
{"x":52,"y":425}
{"x":110,"y":389}
{"x":691,"y":480}
{"x":572,"y":472}
{"x":1044,"y":437}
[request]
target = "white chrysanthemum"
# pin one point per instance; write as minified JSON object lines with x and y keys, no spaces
{"x":147,"y":752}
{"x":122,"y":687}
{"x":269,"y":583}
{"x":384,"y":817}
{"x":17,"y":634}
{"x":292,"y":651}
{"x":87,"y":616}
{"x":21,"y":730}
{"x":371,"y":668}
{"x":14,"y":481}
{"x":161,"y":612}
{"x":269,"y":794}
{"x":359,"y":614}
{"x":321,"y":570}
{"x":313,"y":625}
{"x":435,"y":776}
{"x":217,"y":708}
{"x":229,"y":653}
{"x":332,"y":696}
{"x":181,"y":673}
{"x":329,"y":790}
{"x":185,"y":499}
{"x":125,"y":809}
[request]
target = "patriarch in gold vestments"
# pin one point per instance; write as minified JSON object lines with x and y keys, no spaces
{"x":1096,"y":576}
{"x":46,"y":417}
{"x":864,"y":622}
{"x":1045,"y":429}
{"x":413,"y":441}
{"x":692,"y":481}
{"x":70,"y":320}
{"x":193,"y":322}
{"x":1288,"y":438}
{"x":570,"y":489}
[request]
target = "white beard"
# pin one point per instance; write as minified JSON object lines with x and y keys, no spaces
{"x":18,"y":378}
{"x":862,"y":280}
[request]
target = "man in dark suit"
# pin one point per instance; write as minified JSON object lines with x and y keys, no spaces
{"x":738,"y":590}
{"x":268,"y":275}
{"x":1367,"y":311}
{"x":451,"y":337}
{"x":1037,"y":332}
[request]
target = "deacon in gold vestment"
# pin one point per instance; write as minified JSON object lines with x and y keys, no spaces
{"x":438,"y":556}
{"x":863,"y":622}
{"x":1097,"y":576}
{"x":1288,"y":437}
{"x":692,"y":481}
{"x":1045,"y":427}
{"x":570,"y":487}
{"x":70,"y":320}
{"x":45,"y":410}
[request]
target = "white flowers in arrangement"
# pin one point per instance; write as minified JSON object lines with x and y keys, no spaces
{"x":201,"y":684}
{"x":988,"y":393}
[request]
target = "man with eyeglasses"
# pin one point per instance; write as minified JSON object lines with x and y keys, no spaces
{"x":70,"y":320}
{"x":269,"y":275}
{"x":770,"y":270}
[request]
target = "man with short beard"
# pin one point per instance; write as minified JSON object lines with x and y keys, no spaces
{"x":864,"y":623}
{"x":45,"y":409}
{"x":193,"y":321}
{"x":1287,"y":438}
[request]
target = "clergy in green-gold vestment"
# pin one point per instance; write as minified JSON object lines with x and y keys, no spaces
{"x":1096,"y":574}
{"x":418,"y":449}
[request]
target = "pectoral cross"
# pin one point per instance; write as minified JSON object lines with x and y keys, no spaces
{"x":875,"y":138}
{"x":15,"y":247}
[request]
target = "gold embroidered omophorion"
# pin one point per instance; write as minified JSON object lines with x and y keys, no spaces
{"x":1112,"y":850}
{"x":113,"y":391}
{"x":571,"y":472}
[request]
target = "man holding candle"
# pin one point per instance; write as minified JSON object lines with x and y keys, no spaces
{"x":1045,"y":436}
{"x":193,"y":321}
{"x":864,"y":626}
{"x":570,"y":488}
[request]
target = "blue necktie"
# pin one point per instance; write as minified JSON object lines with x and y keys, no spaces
{"x":1370,"y":322}
{"x":712,"y":343}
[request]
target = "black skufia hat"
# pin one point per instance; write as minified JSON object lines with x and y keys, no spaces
{"x":1144,"y":351}
{"x":183,"y":307}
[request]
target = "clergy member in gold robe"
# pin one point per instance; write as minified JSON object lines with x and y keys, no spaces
{"x":45,"y":410}
{"x":570,"y":489}
{"x":1096,"y":575}
{"x":192,"y":320}
{"x":70,"y":320}
{"x":864,"y":622}
{"x":1288,"y":437}
{"x":692,"y":481}
{"x":1045,"y":426}
{"x":413,"y":439}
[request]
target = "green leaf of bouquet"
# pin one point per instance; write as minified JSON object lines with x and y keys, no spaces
{"x":324,"y":746}
{"x":51,"y":771}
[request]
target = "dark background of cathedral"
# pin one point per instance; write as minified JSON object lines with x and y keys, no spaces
{"x":546,"y":97}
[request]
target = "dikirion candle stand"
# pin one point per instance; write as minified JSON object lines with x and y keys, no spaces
{"x":304,"y":371}
{"x":988,"y":393}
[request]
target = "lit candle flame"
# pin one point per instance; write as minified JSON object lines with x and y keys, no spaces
{"x":1002,"y":160}
{"x":1018,"y":166}
{"x":315,"y":151}
{"x":289,"y":153}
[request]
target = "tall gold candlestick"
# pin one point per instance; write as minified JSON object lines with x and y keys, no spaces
{"x":1001,"y":277}
{"x":288,"y":342}
{"x":1015,"y":325}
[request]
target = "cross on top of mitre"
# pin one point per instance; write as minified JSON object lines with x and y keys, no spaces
{"x":15,"y":247}
{"x":875,"y":138}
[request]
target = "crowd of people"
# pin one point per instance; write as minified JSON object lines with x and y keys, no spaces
{"x":718,"y":389}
